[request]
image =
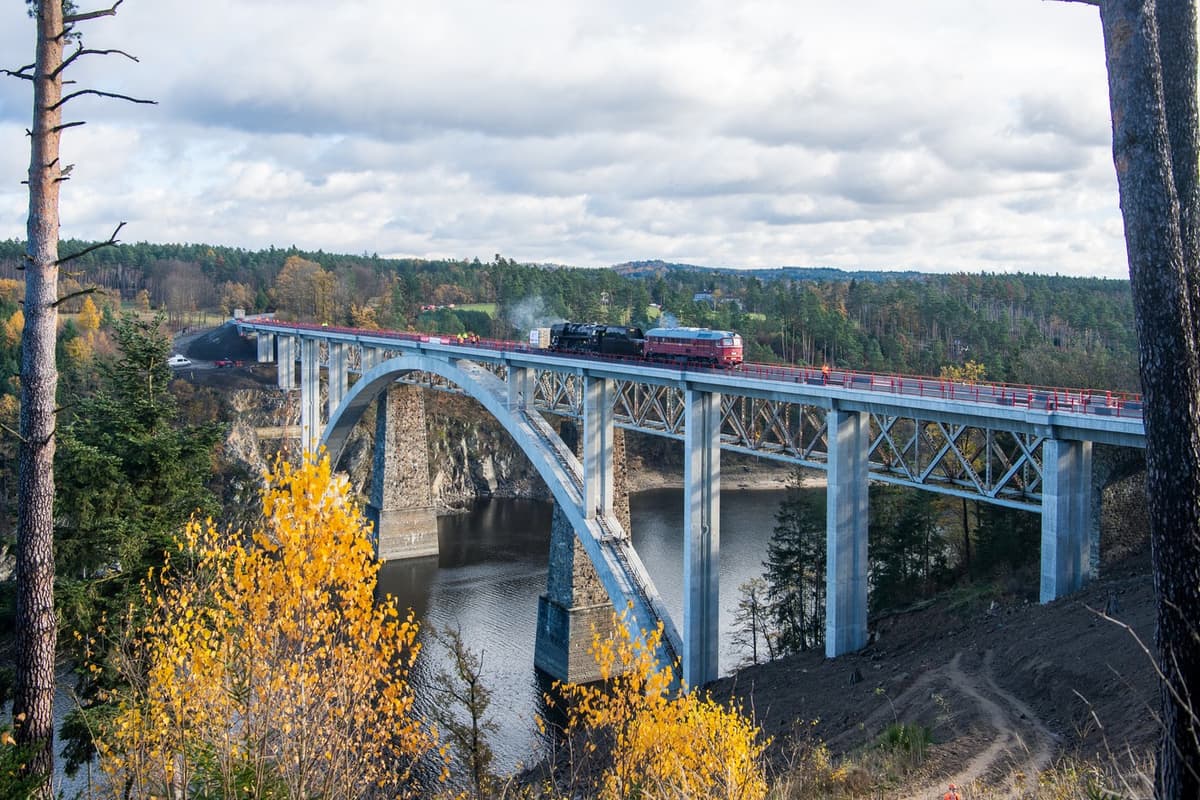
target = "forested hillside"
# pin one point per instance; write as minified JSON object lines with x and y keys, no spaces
{"x":1037,"y":329}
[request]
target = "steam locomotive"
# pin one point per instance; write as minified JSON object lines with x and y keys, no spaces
{"x":688,"y":346}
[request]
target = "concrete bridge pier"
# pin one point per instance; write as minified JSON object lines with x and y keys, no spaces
{"x":286,"y":363}
{"x":575,"y":604}
{"x":401,"y":502}
{"x":1066,"y":517}
{"x":846,"y":531}
{"x":266,"y":346}
{"x":701,"y":536}
{"x":339,"y":363}
{"x":310,"y":395}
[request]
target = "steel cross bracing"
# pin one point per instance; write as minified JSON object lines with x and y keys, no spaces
{"x":943,"y":448}
{"x":1000,"y":466}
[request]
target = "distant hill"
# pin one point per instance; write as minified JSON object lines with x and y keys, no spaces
{"x":657,"y":267}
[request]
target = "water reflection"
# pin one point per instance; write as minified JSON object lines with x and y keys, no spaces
{"x":492,"y":568}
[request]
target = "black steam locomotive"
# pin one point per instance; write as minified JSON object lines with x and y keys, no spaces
{"x":590,"y":337}
{"x":687,"y":346}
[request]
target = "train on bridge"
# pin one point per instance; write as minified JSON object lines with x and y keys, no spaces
{"x":686,"y":346}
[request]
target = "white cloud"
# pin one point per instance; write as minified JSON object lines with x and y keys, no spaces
{"x":941,"y":135}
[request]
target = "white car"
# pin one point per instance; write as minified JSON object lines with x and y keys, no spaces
{"x":179,"y":361}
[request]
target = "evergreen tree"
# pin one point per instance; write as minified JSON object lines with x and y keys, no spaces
{"x":907,"y":550}
{"x":1008,"y":539}
{"x":130,"y":473}
{"x":796,"y":569}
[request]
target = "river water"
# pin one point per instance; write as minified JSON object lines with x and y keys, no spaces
{"x":492,"y":568}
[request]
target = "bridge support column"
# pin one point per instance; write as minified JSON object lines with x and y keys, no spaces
{"x":520,"y":387}
{"x":401,"y":504}
{"x":597,"y":447}
{"x":338,"y":363}
{"x":286,"y":366}
{"x":310,"y":394}
{"x":701,"y":536}
{"x":266,"y":347}
{"x":575,"y":603}
{"x":369,"y":358}
{"x":846,"y":532}
{"x":1066,"y":517}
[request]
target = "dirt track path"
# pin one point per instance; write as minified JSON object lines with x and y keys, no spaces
{"x":1021,"y":746}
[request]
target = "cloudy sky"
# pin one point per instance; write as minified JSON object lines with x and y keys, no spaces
{"x":936,"y":135}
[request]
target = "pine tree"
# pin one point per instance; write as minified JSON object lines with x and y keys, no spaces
{"x":796,"y":570}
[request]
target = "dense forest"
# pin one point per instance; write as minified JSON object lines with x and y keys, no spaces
{"x":1034,"y":329}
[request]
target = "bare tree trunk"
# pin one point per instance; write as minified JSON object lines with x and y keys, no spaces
{"x":1155,"y":134}
{"x":36,"y":632}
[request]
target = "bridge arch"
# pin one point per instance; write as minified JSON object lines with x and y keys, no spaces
{"x":617,"y":564}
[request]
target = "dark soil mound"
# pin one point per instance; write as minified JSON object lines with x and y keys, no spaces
{"x":224,"y":341}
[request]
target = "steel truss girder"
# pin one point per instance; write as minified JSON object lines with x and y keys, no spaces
{"x":999,"y":465}
{"x":950,"y":457}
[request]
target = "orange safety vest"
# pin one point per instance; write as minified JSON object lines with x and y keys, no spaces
{"x":951,"y":795}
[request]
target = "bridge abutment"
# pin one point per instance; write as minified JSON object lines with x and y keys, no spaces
{"x":575,"y":606}
{"x":401,"y":503}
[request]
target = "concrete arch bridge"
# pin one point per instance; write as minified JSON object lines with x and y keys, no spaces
{"x":1014,"y":446}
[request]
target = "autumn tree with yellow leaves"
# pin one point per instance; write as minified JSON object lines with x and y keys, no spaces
{"x":655,"y":740}
{"x":266,"y":667}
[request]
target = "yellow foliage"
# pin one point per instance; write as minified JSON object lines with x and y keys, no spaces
{"x":11,"y":290}
{"x":971,"y":372}
{"x":78,"y":350}
{"x":268,"y":668}
{"x":89,"y":316}
{"x":664,"y":744}
{"x":14,"y":327}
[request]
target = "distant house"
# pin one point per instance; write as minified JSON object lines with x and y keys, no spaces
{"x":704,"y":298}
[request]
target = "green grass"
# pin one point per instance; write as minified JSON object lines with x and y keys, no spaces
{"x":487,"y":308}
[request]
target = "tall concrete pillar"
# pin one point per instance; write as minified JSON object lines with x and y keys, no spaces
{"x":286,"y":367}
{"x":370,"y":357}
{"x":266,"y":347}
{"x":520,"y":387}
{"x":401,"y":503}
{"x":597,"y":446}
{"x":575,"y":603}
{"x":339,"y":362}
{"x":846,"y":532}
{"x":310,"y":394}
{"x":1066,"y":517}
{"x":701,"y":536}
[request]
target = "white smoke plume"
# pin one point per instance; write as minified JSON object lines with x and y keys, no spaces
{"x":668,"y":320}
{"x":531,"y":313}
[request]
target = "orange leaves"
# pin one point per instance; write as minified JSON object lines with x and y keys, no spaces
{"x":269,"y":661}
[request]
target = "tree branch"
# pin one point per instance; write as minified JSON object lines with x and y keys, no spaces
{"x":19,"y":73}
{"x":107,"y":12}
{"x":112,"y":241}
{"x":114,"y":95}
{"x":88,"y":52}
{"x":14,"y":433}
{"x":64,"y":126}
{"x":80,"y":293}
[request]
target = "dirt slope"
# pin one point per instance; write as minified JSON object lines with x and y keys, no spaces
{"x":1005,"y":688}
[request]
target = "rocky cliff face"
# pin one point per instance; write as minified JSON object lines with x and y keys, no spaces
{"x":470,"y":454}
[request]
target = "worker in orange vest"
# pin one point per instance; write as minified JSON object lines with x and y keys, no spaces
{"x":952,"y":793}
{"x":825,"y":372}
